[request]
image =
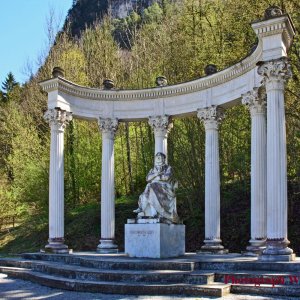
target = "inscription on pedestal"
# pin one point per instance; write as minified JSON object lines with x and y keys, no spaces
{"x":142,"y":232}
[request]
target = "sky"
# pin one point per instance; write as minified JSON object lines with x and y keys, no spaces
{"x":23,"y":34}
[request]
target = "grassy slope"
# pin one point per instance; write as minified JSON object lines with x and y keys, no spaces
{"x":82,"y":230}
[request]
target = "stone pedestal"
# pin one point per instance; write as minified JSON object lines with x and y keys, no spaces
{"x":154,"y":240}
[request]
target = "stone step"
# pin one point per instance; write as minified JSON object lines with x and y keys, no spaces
{"x":112,"y":287}
{"x":228,"y":262}
{"x":258,"y":277}
{"x":267,"y":290}
{"x":153,"y":276}
{"x":78,"y":272}
{"x":249,"y":266}
{"x":117,"y":262}
{"x":16,"y":262}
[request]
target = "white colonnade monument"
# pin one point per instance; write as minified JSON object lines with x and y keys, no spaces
{"x":257,"y":81}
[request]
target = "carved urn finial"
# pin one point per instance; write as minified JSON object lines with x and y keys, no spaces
{"x":108,"y":84}
{"x":210,"y":69}
{"x":161,"y":81}
{"x":58,"y":72}
{"x":273,"y":11}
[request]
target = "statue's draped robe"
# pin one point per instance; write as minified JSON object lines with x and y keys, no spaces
{"x":158,"y":199}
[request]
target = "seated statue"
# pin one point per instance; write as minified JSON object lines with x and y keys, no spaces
{"x":159,"y":200}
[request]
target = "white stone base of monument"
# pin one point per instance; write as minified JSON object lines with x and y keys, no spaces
{"x":154,"y":240}
{"x":107,"y":246}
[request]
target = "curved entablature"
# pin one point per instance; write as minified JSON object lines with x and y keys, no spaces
{"x":223,"y":88}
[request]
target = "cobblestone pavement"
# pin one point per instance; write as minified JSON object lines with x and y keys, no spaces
{"x":13,"y":289}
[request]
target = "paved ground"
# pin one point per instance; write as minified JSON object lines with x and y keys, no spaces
{"x":13,"y":289}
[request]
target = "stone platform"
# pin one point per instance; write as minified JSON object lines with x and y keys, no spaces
{"x":150,"y":239}
{"x":188,"y":275}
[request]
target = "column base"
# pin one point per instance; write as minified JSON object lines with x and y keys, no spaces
{"x":57,"y":246}
{"x":256,"y":247}
{"x":277,"y":250}
{"x":107,"y":246}
{"x":213,"y":247}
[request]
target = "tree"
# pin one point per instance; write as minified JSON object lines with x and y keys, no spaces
{"x":8,"y":86}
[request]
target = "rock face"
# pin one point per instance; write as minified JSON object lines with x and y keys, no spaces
{"x":121,"y":8}
{"x":85,"y":12}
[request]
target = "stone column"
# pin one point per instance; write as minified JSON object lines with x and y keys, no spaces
{"x":58,"y":119}
{"x":108,"y":127}
{"x":161,"y":126}
{"x":256,"y":102}
{"x":275,"y":73}
{"x":211,"y":116}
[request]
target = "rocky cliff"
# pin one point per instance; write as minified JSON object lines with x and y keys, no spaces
{"x":85,"y":12}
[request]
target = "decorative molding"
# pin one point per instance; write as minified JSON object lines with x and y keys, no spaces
{"x":108,"y":125}
{"x":161,"y":124}
{"x":58,"y":117}
{"x":237,"y":70}
{"x":212,"y":114}
{"x":255,"y":100}
{"x":278,"y":70}
{"x":276,"y":25}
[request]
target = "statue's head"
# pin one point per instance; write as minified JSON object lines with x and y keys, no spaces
{"x":160,"y":159}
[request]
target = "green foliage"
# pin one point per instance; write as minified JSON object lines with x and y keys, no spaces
{"x":8,"y":87}
{"x":101,"y":53}
{"x":82,"y":163}
{"x":27,"y":160}
{"x":9,"y":83}
{"x":153,"y":14}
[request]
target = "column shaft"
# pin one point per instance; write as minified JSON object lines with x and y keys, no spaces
{"x":161,"y":142}
{"x":107,"y":243}
{"x":211,"y":117}
{"x":58,"y":120}
{"x":56,"y":184}
{"x":277,"y":177}
{"x":107,"y":188}
{"x":275,"y":73}
{"x":257,"y":104}
{"x":212,"y":186}
{"x":258,"y":177}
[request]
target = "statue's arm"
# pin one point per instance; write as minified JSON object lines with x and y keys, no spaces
{"x":151,"y":175}
{"x":167,"y":175}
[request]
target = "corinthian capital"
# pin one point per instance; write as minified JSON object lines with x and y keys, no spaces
{"x":108,"y":125}
{"x":58,"y":117}
{"x":161,"y":124}
{"x":277,"y":70}
{"x":255,"y":100}
{"x":211,"y":116}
